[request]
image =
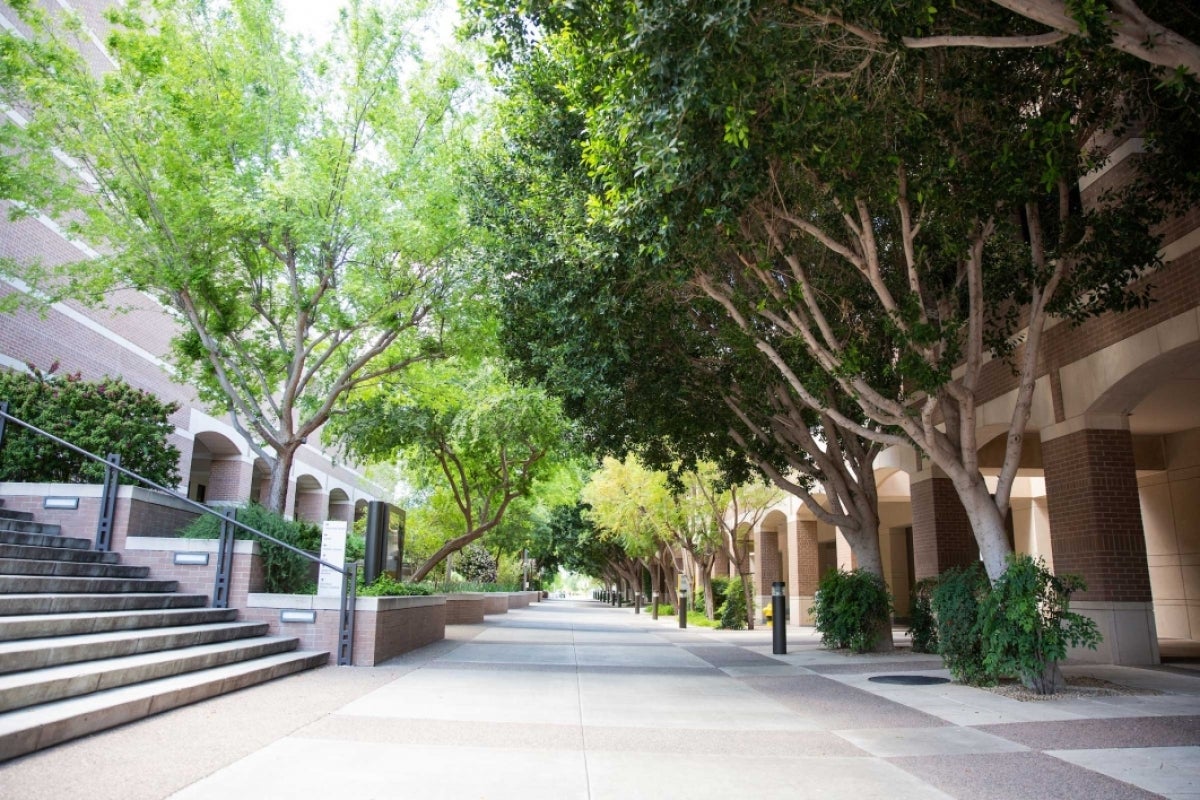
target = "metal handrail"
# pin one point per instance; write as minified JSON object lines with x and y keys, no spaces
{"x":348,"y":573}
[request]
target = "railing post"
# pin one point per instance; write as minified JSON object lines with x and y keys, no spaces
{"x":220,"y":597}
{"x":346,"y":618}
{"x":108,"y":504}
{"x":3,"y":410}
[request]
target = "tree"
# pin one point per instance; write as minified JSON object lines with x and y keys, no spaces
{"x":1123,"y":25}
{"x":292,"y":208}
{"x":645,"y":362}
{"x":738,"y":510}
{"x":475,"y":440}
{"x":840,"y":210}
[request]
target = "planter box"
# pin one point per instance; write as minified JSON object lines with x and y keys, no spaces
{"x":384,"y":627}
{"x":495,"y":603}
{"x":464,"y":608}
{"x":518,"y":600}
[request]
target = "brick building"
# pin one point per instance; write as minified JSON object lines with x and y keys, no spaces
{"x":1109,"y":485}
{"x":131,"y":339}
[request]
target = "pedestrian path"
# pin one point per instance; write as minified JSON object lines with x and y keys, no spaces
{"x":579,"y":700}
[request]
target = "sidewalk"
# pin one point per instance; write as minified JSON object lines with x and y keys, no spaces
{"x":580,"y":700}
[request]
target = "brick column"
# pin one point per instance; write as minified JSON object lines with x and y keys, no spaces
{"x":312,"y":506}
{"x":230,"y":479}
{"x":720,"y":567}
{"x":767,"y":568}
{"x":1096,"y":532}
{"x":942,"y":536}
{"x":804,"y":571}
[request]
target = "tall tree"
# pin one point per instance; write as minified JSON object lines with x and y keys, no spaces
{"x":843,"y":207}
{"x":474,"y":439}
{"x":292,"y":207}
{"x":645,"y":361}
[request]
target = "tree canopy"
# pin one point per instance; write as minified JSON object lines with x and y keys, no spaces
{"x":293,"y":207}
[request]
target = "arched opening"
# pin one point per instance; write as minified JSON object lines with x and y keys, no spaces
{"x":217,"y":472}
{"x":312,"y":502}
{"x":340,"y":507}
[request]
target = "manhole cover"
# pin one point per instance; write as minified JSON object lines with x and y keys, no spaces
{"x":909,"y":680}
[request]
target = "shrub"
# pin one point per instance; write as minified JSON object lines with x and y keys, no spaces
{"x":955,"y":603}
{"x":387,"y":586}
{"x":284,"y":572}
{"x":1026,"y":624}
{"x":732,"y":614}
{"x":102,"y":417}
{"x":850,"y":609}
{"x":476,"y":564}
{"x":720,"y":590}
{"x":923,"y":627}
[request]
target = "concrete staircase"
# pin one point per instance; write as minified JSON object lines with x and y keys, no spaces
{"x":87,"y":643}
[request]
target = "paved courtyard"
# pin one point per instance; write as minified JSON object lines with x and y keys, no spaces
{"x":580,"y":700}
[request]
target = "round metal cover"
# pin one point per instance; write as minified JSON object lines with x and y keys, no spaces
{"x":909,"y":680}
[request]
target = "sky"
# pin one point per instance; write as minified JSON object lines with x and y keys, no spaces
{"x":316,"y":18}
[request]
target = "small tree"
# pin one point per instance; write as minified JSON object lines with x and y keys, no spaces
{"x":850,"y":608}
{"x":102,"y":417}
{"x":1026,"y":624}
{"x":476,"y":564}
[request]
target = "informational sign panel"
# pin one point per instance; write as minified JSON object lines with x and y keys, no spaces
{"x":333,"y":551}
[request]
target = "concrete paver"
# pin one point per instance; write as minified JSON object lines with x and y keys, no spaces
{"x":579,"y":700}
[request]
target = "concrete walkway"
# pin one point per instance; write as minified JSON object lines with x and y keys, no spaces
{"x":579,"y":700}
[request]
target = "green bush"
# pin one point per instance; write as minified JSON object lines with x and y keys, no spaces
{"x":955,"y":602}
{"x":732,"y":613}
{"x":923,"y":626}
{"x":720,"y":590}
{"x":284,"y":572}
{"x":476,"y":564}
{"x":850,"y":609}
{"x":387,"y":586}
{"x":1026,"y":624}
{"x":102,"y":417}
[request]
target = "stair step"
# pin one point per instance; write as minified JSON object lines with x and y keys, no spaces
{"x":35,"y":528}
{"x":34,"y":728}
{"x":44,"y":540}
{"x":41,"y":626}
{"x":9,"y":513}
{"x":69,"y":569}
{"x":25,"y":689}
{"x":34,"y":584}
{"x":48,"y":652}
{"x":57,"y":554}
{"x":18,"y":604}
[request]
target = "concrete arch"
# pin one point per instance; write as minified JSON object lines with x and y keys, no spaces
{"x":218,"y":470}
{"x":1154,"y":381}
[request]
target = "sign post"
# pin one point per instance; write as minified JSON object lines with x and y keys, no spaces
{"x":333,"y":551}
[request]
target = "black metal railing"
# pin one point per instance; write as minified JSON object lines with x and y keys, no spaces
{"x":225,"y":547}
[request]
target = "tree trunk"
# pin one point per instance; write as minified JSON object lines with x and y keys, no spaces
{"x":748,"y":594}
{"x":991,"y":533}
{"x":864,"y":543}
{"x":710,"y":606}
{"x":281,"y":471}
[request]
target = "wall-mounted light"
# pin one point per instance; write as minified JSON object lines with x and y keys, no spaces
{"x":61,"y":503}
{"x":192,"y":559}
{"x":297,"y":615}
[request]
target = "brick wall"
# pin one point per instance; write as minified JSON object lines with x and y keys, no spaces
{"x":807,"y":558}
{"x":464,"y":609}
{"x":942,"y":536}
{"x":1095,"y":516}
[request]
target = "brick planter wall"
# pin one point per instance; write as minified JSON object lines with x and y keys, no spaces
{"x":495,"y":603}
{"x":465,"y":608}
{"x":384,"y":627}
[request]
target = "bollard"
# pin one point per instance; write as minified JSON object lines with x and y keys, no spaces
{"x":778,"y":619}
{"x":654,"y":605}
{"x":683,"y":605}
{"x":637,"y":602}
